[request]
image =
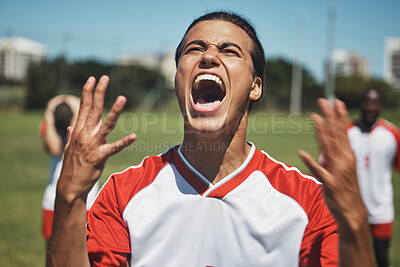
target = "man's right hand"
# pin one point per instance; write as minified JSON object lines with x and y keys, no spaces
{"x":87,"y":150}
{"x":85,"y":156}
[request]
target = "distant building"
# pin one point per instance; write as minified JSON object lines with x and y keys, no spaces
{"x":349,"y":63}
{"x":391,"y":70}
{"x":164,"y":62}
{"x":16,"y":53}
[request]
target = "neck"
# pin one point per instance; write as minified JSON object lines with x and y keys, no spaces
{"x":369,"y":123}
{"x":216,"y":155}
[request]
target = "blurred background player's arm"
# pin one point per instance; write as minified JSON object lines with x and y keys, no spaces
{"x":52,"y":142}
{"x":73,"y":102}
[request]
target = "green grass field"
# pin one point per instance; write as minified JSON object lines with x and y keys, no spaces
{"x":24,"y":167}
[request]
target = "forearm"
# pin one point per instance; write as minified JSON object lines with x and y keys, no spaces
{"x":67,"y":244}
{"x":355,"y":244}
{"x":73,"y":102}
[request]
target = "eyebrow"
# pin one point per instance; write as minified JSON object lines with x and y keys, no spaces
{"x":220,"y":47}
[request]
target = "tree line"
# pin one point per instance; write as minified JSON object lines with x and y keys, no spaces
{"x":347,"y":88}
{"x":51,"y":77}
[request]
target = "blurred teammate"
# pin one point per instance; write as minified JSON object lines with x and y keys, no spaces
{"x":376,"y":143}
{"x":61,"y":112}
{"x":215,"y":200}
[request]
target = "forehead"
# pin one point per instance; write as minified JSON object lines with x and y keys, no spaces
{"x":371,"y":95}
{"x":218,"y":32}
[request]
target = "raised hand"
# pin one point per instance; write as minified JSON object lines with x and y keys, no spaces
{"x":85,"y":155}
{"x":339,"y":178}
{"x":87,"y":150}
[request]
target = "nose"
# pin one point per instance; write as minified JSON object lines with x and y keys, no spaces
{"x":210,"y":58}
{"x":372,"y":104}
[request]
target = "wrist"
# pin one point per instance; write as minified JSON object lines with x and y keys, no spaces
{"x":355,"y":225}
{"x":70,"y":192}
{"x":355,"y":242}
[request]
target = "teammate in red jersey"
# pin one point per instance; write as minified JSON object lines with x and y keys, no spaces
{"x":215,"y":200}
{"x":376,"y":144}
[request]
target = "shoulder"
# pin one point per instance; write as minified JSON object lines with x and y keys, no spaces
{"x":290,"y":180}
{"x":390,"y":127}
{"x":353,"y":127}
{"x":148,"y":164}
{"x":276,"y":169}
{"x":306,"y":190}
{"x":122,"y":186}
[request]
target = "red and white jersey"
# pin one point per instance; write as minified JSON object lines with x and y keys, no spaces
{"x":163,"y":212}
{"x":376,"y":152}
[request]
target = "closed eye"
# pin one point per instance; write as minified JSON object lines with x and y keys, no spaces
{"x":193,"y":49}
{"x":195,"y":46}
{"x":230,"y":52}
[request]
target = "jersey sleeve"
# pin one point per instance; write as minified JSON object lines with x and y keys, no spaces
{"x":330,"y":239}
{"x":320,"y":246}
{"x":396,"y":134}
{"x":396,"y":161}
{"x":108,"y":239}
{"x":107,"y":235}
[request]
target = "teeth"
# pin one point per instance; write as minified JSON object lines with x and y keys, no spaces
{"x":209,"y":77}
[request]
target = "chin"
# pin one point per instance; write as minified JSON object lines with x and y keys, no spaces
{"x":212,"y":126}
{"x":206,"y":125}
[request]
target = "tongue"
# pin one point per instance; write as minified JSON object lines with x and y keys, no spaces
{"x":203,"y":101}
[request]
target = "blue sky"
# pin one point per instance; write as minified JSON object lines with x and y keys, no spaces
{"x":102,"y":29}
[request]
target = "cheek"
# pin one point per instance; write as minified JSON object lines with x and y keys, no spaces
{"x":242,"y":84}
{"x":240,"y":72}
{"x":179,"y":81}
{"x":182,"y":71}
{"x":180,"y":86}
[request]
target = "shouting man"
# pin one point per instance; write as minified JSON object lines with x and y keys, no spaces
{"x":214,"y":200}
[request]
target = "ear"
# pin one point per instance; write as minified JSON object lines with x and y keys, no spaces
{"x":256,"y":89}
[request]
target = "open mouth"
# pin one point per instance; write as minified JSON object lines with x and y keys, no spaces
{"x":208,"y":92}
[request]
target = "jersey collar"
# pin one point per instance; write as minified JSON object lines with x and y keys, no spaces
{"x":223,"y":187}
